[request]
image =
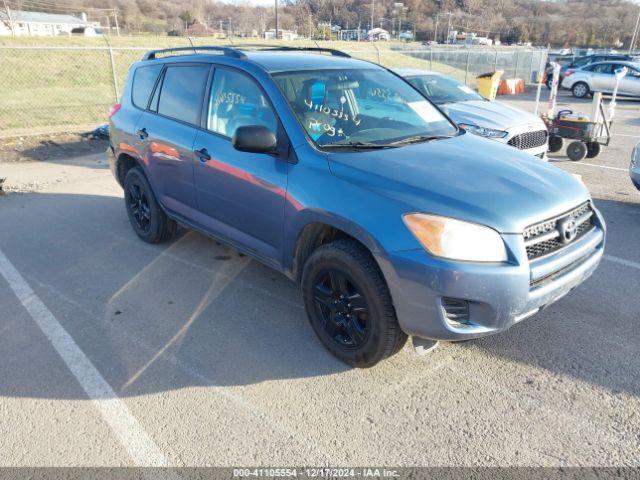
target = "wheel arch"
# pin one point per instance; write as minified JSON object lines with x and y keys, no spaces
{"x":124,"y":163}
{"x":317,"y":231}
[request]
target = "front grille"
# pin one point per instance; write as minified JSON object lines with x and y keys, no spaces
{"x":527,"y":140}
{"x":549,"y":236}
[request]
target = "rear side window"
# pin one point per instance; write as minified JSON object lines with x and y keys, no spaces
{"x":144,"y":79}
{"x":182,"y":90}
{"x":602,"y":68}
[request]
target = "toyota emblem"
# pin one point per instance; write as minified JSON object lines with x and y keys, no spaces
{"x":568,"y":230}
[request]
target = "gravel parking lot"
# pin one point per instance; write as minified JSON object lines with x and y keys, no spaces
{"x":117,"y":353}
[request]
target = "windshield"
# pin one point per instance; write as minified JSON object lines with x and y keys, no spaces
{"x":440,"y":89}
{"x":360,"y":107}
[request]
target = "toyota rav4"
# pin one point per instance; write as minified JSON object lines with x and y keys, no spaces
{"x":344,"y":177}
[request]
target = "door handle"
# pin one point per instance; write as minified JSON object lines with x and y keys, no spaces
{"x":203,"y":155}
{"x":142,"y":133}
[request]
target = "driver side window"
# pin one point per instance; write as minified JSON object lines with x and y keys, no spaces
{"x":236,"y":101}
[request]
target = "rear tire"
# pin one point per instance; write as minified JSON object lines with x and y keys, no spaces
{"x":593,"y":149}
{"x":580,"y":90}
{"x":349,"y":305}
{"x":555,"y":143}
{"x":576,"y":151}
{"x":146,"y":216}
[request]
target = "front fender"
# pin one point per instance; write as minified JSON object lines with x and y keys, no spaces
{"x":315,"y":195}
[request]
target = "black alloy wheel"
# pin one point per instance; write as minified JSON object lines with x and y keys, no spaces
{"x":342,"y":307}
{"x":139,"y":206}
{"x":145,"y":214}
{"x":349,"y":305}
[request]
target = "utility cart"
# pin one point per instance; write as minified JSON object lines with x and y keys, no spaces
{"x":589,"y":133}
{"x":588,"y":136}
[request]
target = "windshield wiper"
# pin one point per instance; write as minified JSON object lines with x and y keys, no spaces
{"x":358,"y":146}
{"x":418,"y":139}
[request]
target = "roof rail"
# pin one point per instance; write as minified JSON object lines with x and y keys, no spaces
{"x":332,"y":51}
{"x":227,"y":51}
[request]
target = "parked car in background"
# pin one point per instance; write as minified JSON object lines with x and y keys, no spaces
{"x":581,"y":62}
{"x":342,"y":176}
{"x":87,"y":31}
{"x":599,"y":77}
{"x":494,"y":120}
{"x":634,"y":167}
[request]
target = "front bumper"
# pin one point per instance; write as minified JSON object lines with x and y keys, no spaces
{"x":539,"y":151}
{"x":498,"y":295}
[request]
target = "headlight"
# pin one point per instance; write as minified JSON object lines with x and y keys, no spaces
{"x":455,"y":239}
{"x":635,"y":156}
{"x":483,"y":131}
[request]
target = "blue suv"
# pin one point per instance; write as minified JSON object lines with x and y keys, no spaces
{"x":344,"y":177}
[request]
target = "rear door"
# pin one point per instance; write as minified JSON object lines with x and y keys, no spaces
{"x":630,"y":83}
{"x":240,"y":195}
{"x":167,"y":131}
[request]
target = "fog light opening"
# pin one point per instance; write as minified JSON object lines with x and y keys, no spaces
{"x":456,"y":311}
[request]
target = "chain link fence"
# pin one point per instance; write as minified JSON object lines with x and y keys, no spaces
{"x":70,"y":88}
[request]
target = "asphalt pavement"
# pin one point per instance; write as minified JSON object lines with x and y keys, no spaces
{"x":118,"y":353}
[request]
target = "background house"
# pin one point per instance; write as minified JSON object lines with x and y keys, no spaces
{"x":42,"y":24}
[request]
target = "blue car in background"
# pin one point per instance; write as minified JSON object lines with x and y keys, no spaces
{"x":342,"y":176}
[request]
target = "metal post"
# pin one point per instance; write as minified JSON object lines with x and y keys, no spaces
{"x":515,"y":71}
{"x":539,"y":80}
{"x":373,"y":6}
{"x":431,"y":58}
{"x":276,"y":5}
{"x":495,"y":60}
{"x":378,"y":51}
{"x":466,"y":70}
{"x":530,"y":67}
{"x":113,"y":71}
{"x":115,"y":14}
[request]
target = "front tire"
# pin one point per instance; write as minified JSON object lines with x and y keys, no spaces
{"x":147,"y":219}
{"x":576,"y":151}
{"x":349,"y":305}
{"x":580,"y":90}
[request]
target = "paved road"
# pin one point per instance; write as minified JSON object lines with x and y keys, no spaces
{"x":114,"y":352}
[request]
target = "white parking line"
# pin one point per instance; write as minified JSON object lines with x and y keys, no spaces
{"x":137,"y":442}
{"x":625,"y":135}
{"x":594,"y":165}
{"x":622,"y":261}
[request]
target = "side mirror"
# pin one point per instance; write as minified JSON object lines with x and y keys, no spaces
{"x":254,"y":139}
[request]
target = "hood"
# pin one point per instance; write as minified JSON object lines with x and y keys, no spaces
{"x":490,"y":114}
{"x":465,"y":177}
